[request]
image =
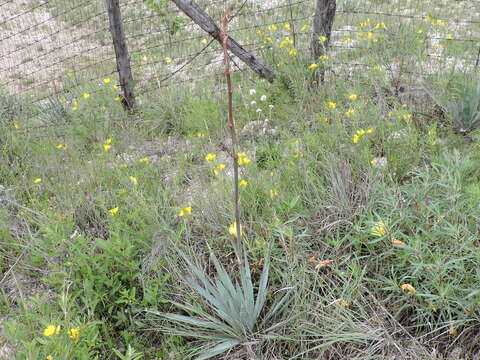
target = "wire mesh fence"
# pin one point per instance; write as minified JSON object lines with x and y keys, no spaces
{"x":53,"y":49}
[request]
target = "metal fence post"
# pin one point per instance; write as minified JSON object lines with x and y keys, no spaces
{"x":121,"y":53}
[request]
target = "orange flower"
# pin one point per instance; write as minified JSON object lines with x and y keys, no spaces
{"x":453,"y":331}
{"x":408,"y":287}
{"x":397,"y":242}
{"x":322,"y":264}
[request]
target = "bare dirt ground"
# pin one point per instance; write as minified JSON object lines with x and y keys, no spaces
{"x":37,"y":49}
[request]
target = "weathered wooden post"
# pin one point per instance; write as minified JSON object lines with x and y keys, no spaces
{"x":322,"y":29}
{"x":121,"y":53}
{"x":202,"y":19}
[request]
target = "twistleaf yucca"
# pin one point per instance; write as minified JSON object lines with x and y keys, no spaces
{"x":231,"y":312}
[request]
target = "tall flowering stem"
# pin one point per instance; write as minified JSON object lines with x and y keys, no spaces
{"x":231,"y":126}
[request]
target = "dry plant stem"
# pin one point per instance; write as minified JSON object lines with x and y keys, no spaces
{"x":231,"y":127}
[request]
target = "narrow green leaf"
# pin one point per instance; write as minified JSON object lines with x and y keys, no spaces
{"x":218,"y":349}
{"x":262,"y":288}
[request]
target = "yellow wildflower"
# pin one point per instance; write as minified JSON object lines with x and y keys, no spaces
{"x":203,"y":41}
{"x":379,"y":229}
{"x":69,"y":74}
{"x":407,"y":116}
{"x":353,"y":96}
{"x":313,"y":66}
{"x":298,"y":154}
{"x":61,"y":146}
{"x":322,"y":38}
{"x":370,"y":131}
{"x":347,"y":40}
{"x":361,"y":132}
{"x":285,"y":42}
{"x":200,"y":134}
{"x":167,"y":60}
{"x":114,"y":87}
{"x":408,"y":287}
{"x":279,"y":65}
{"x":331,"y":105}
{"x":63,"y":100}
{"x":113,"y":211}
{"x":420,"y":31}
{"x":144,"y":160}
{"x":218,"y":169}
{"x":108,"y":141}
{"x":293,"y":52}
{"x":304,"y":28}
{"x":243,"y":159}
{"x":37,"y":181}
{"x":273,"y":27}
{"x":287,"y":26}
{"x":350,"y":112}
{"x":232,"y":229}
{"x":75,"y":108}
{"x":449,"y":37}
{"x":273,"y":193}
{"x":123,"y":166}
{"x":106,"y":147}
{"x":133,"y":180}
{"x":187,"y":210}
{"x":210,"y":157}
{"x":243,"y":183}
{"x":51,"y":330}
{"x":118,"y":98}
{"x":86,"y":95}
{"x":16,"y":125}
{"x":106,"y":80}
{"x":380,"y":25}
{"x":323,"y":57}
{"x":365,"y":23}
{"x":268,"y":40}
{"x":356,"y":139}
{"x":49,"y":357}
{"x":74,"y":333}
{"x":261,"y":32}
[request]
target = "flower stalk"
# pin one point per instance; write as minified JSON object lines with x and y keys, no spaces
{"x":231,"y":126}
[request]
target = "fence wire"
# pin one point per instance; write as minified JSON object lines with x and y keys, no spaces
{"x":53,"y":49}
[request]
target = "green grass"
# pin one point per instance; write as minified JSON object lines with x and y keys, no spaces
{"x":367,"y":205}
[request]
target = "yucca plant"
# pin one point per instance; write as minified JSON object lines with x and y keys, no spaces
{"x":464,"y":109}
{"x":230,"y":315}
